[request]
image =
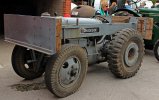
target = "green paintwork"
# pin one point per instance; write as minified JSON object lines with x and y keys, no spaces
{"x":147,"y":10}
{"x":152,"y":13}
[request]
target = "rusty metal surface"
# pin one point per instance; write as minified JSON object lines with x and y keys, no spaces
{"x":37,"y":33}
{"x":58,"y":34}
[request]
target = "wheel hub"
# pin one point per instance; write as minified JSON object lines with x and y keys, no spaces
{"x":69,"y":72}
{"x":131,"y":54}
{"x":74,"y":71}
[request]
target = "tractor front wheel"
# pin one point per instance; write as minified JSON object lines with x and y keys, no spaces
{"x":66,"y":70}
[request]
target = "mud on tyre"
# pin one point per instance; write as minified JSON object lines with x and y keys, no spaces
{"x":66,"y":70}
{"x":125,"y":53}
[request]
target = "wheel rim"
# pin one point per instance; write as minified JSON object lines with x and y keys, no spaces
{"x":69,"y":71}
{"x":131,"y":54}
{"x":158,"y":50}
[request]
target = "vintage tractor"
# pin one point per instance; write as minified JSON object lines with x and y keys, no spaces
{"x":64,"y":47}
{"x":151,"y":43}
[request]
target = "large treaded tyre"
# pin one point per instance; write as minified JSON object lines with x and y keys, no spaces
{"x":156,"y":50}
{"x":20,"y":56}
{"x":66,"y":70}
{"x":126,"y":52}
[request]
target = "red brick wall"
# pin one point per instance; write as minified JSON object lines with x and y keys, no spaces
{"x":66,"y":8}
{"x":61,"y":7}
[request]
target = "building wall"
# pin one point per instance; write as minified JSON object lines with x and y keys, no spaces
{"x":50,"y":6}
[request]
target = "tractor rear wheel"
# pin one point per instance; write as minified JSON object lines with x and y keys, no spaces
{"x":24,"y":65}
{"x":66,"y":70}
{"x":126,"y":52}
{"x":156,"y":50}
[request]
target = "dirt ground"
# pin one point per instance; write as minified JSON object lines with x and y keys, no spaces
{"x":99,"y":84}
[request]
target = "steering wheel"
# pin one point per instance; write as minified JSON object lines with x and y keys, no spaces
{"x":127,"y":12}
